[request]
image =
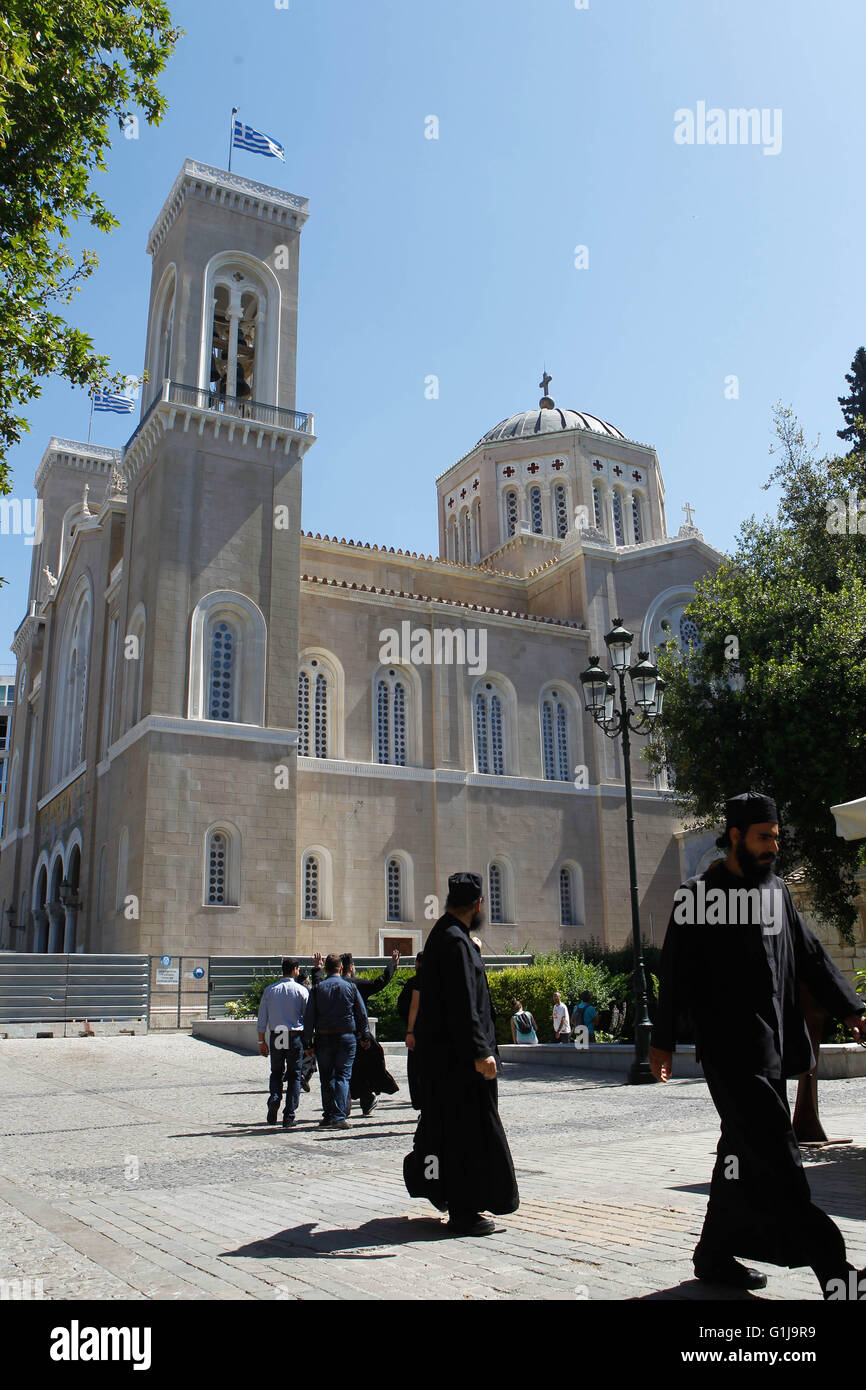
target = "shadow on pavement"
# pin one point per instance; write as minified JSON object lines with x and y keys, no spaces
{"x":299,"y":1242}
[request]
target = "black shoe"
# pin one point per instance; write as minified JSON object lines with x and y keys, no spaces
{"x":288,"y":1121}
{"x":340,"y":1124}
{"x":273,"y":1111}
{"x":473,"y":1225}
{"x":305,"y":1083}
{"x":325,"y":1124}
{"x":368,"y":1110}
{"x":725,"y":1270}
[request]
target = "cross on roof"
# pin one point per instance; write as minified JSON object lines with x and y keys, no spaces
{"x":688,"y":511}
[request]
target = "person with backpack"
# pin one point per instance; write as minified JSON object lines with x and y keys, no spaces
{"x":585,"y":1014}
{"x":523,"y":1029}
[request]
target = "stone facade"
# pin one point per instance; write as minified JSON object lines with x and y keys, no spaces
{"x":237,"y":737}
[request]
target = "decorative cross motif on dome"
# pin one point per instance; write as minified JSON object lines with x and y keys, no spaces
{"x":618,"y":471}
{"x":509,"y":471}
{"x":596,"y":464}
{"x":637,"y":476}
{"x":558,"y":463}
{"x":545,"y":381}
{"x":463,"y":493}
{"x":532,"y":468}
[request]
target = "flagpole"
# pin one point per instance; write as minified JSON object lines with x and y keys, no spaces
{"x":90,"y":426}
{"x":232,"y":135}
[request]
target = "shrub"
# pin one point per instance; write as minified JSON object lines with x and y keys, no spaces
{"x":248,"y":1004}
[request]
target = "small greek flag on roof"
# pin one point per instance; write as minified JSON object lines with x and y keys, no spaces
{"x":112,"y":400}
{"x":245,"y":138}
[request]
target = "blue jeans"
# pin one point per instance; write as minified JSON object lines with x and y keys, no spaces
{"x":286,"y":1061}
{"x":335,"y":1053}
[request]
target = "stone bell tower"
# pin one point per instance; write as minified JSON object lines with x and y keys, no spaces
{"x":202,"y":765}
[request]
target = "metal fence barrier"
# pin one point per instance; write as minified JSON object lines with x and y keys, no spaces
{"x":59,"y":989}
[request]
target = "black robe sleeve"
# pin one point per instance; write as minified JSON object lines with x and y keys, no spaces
{"x":675,"y":973}
{"x":464,"y":1025}
{"x":368,"y":987}
{"x":818,"y":972}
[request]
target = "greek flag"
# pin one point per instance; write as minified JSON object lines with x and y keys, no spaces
{"x":245,"y":138}
{"x":111,"y":400}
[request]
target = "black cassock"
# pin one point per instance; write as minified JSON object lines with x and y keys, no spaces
{"x":460,"y":1159}
{"x":369,"y":1073}
{"x":738,"y":985}
{"x":413,"y":1060}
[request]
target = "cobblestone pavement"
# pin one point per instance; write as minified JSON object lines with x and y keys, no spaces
{"x":143,"y":1168}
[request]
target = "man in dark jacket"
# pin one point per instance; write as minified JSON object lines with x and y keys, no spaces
{"x":734,"y":955}
{"x":335,"y":1021}
{"x":369,"y":1073}
{"x":460,"y":1158}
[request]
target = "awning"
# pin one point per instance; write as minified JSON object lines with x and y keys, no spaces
{"x":851,"y":819}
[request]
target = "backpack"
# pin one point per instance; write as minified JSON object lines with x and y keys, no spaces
{"x":523,"y":1022}
{"x":579,"y":1010}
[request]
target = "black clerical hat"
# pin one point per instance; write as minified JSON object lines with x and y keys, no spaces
{"x":464,"y":889}
{"x":751,"y":808}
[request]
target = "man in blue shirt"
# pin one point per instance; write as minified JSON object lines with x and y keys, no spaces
{"x":335,"y":1021}
{"x":282,"y":1012}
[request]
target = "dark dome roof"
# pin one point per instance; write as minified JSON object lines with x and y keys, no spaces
{"x":548,"y":421}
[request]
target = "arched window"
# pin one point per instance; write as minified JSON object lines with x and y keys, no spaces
{"x":495,"y":895}
{"x":11,"y":808}
{"x":466,"y":554}
{"x":221,"y":866}
{"x":554,"y":738}
{"x":571,"y":912}
{"x":222,"y":669}
{"x":452,"y":538}
{"x":122,"y":869}
{"x":161,"y":335}
{"x":228,"y":657}
{"x":311,"y":875}
{"x":236,"y":320}
{"x":637,"y":526}
{"x":597,"y":512}
{"x":320,"y":705}
{"x":71,"y":701}
{"x":394,"y":891}
{"x":489,"y":730}
{"x":511,"y":511}
{"x":560,"y":506}
{"x":535,"y":510}
{"x":110,"y":686}
{"x":133,"y":668}
{"x":566,"y":899}
{"x":618,"y":530}
{"x":688,"y":633}
{"x":392,"y":698}
{"x":476,"y":530}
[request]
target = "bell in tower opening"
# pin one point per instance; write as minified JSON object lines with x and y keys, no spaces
{"x":236,"y":320}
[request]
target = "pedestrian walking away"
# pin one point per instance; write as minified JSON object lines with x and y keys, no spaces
{"x":584,"y":1015}
{"x":369,"y":1073}
{"x":335,"y":1023}
{"x":561,"y":1021}
{"x":523,"y":1026}
{"x":460,"y":1159}
{"x":281,"y":1014}
{"x":734,"y":957}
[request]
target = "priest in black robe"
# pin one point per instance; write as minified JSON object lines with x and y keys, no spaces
{"x":460,"y":1159}
{"x":735,"y":953}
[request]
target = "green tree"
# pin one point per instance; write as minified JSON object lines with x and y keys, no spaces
{"x":773,"y":695}
{"x":68,"y":70}
{"x":854,"y":404}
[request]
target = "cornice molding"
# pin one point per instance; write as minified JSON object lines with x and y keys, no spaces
{"x":197,"y":728}
{"x":211,"y":184}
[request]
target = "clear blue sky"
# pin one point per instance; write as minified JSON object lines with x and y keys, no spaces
{"x":455,"y":256}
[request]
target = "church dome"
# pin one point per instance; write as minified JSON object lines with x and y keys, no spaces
{"x":548,"y":420}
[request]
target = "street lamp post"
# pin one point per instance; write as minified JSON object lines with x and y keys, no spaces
{"x":600,"y":700}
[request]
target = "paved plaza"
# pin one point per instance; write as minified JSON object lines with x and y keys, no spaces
{"x":142,"y":1168}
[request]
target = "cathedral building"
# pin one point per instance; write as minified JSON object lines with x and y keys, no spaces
{"x":232,"y":736}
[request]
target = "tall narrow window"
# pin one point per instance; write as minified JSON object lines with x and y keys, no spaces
{"x":303,"y":714}
{"x":452,"y":538}
{"x":321,"y":717}
{"x":222,"y":672}
{"x":466,"y":554}
{"x":535,"y":510}
{"x":217,"y":869}
{"x":635,"y":520}
{"x":311,"y":887}
{"x":511,"y":511}
{"x":566,"y":899}
{"x":489,"y":731}
{"x":395,"y":894}
{"x":596,"y":510}
{"x":476,"y":531}
{"x":554,"y":738}
{"x":561,"y":508}
{"x":383,"y":740}
{"x":399,"y":750}
{"x":497,"y":913}
{"x":617,"y":518}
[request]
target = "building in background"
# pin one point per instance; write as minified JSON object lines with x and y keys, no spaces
{"x":236,"y":737}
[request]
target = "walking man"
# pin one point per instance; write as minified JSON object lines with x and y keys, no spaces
{"x":369,"y":1073}
{"x":282,"y":1013}
{"x":335,"y":1021}
{"x":735,"y":953}
{"x":460,"y":1159}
